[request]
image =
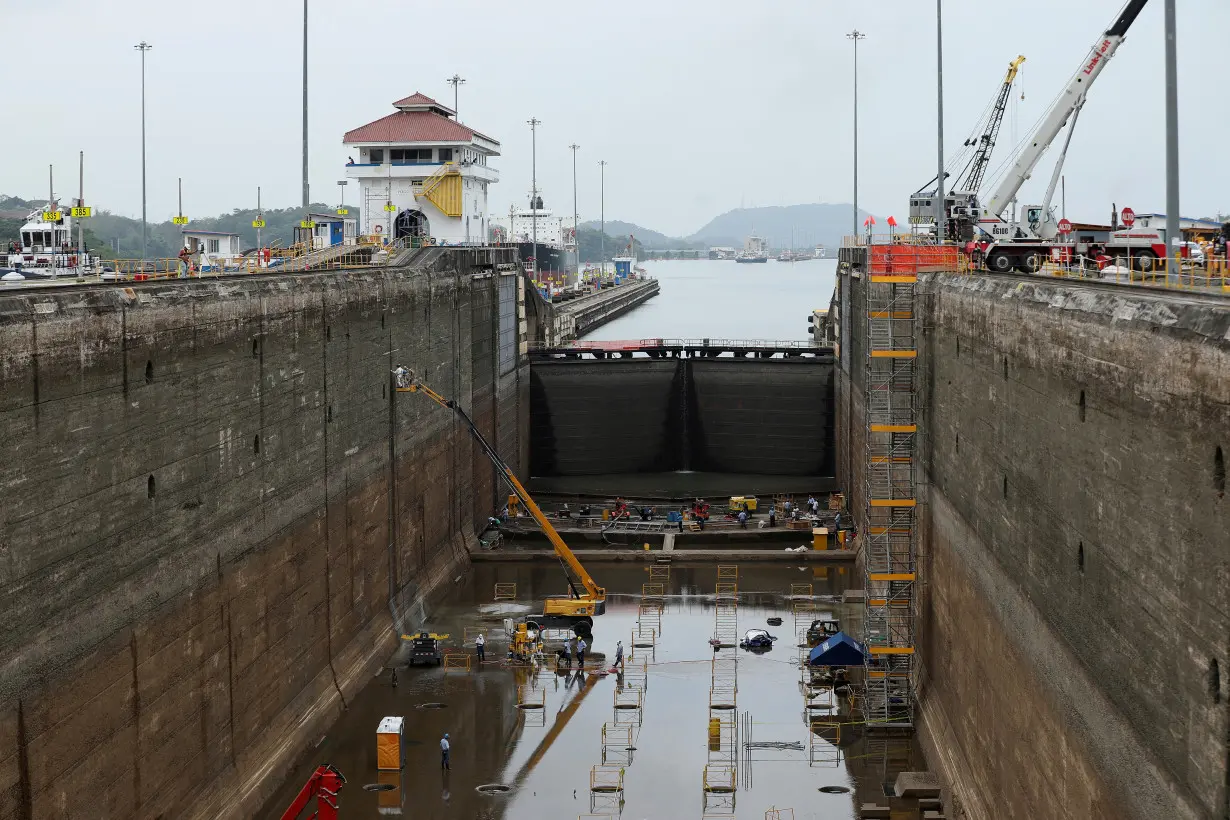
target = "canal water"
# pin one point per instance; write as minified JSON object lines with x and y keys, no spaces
{"x":546,"y":755}
{"x":722,"y":299}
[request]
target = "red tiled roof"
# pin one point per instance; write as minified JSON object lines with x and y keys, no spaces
{"x":413,"y":126}
{"x":419,"y":98}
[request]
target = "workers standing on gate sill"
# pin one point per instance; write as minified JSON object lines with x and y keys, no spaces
{"x":480,"y":646}
{"x":444,"y":750}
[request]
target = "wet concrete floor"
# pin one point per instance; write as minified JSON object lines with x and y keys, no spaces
{"x":546,"y":755}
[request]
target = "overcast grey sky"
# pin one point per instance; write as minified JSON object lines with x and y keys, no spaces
{"x":698,"y":106}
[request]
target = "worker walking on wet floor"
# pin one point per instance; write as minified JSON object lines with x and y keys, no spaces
{"x":444,"y":750}
{"x":619,"y":656}
{"x":480,"y":647}
{"x":581,"y":647}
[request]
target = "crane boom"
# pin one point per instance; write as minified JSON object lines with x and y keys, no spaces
{"x":580,"y":584}
{"x":986,"y":143}
{"x":1071,"y":98}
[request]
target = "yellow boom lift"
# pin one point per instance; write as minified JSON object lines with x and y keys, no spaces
{"x":585,"y":599}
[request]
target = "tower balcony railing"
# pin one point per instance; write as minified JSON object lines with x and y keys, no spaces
{"x":417,"y":170}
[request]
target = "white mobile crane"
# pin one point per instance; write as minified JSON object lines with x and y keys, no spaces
{"x":1024,"y":245}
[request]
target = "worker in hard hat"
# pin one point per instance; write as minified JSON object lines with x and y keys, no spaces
{"x":444,"y":750}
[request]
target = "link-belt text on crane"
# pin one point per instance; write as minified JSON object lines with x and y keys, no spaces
{"x":1098,"y":56}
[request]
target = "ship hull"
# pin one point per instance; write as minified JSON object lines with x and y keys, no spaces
{"x":751,"y":260}
{"x":553,"y":263}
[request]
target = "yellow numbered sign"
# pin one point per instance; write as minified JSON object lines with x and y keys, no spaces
{"x":390,"y":207}
{"x":307,"y":223}
{"x":82,"y":212}
{"x":343,"y":211}
{"x":258,"y":223}
{"x":52,"y":216}
{"x":179,"y":220}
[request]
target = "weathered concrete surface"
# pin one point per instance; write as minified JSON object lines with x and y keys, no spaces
{"x":217,"y":515}
{"x":1074,"y":604}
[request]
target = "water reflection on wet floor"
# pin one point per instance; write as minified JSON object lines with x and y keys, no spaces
{"x":546,"y":754}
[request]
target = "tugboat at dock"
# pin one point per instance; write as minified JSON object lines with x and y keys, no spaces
{"x":755,"y":249}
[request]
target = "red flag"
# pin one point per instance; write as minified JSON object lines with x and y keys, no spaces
{"x":892,"y":223}
{"x":870,"y":220}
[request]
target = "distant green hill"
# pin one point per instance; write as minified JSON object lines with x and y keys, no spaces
{"x":812,"y":223}
{"x":644,"y":236}
{"x":590,"y":244}
{"x":104,"y":230}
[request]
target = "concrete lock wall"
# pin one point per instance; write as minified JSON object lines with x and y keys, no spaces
{"x":217,"y":515}
{"x":1073,"y":613}
{"x":722,"y":415}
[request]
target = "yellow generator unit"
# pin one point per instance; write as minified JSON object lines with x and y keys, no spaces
{"x":739,"y":503}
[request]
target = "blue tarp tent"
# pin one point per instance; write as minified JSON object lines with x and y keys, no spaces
{"x":839,"y":650}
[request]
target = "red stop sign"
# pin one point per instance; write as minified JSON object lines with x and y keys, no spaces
{"x":1065,"y":226}
{"x":1129,"y":217}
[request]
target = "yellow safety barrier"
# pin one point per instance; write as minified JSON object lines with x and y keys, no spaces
{"x":779,"y":814}
{"x":660,"y":573}
{"x":801,"y":590}
{"x":506,"y":592}
{"x":457,"y":660}
{"x":727,"y":590}
{"x":652,"y":590}
{"x":470,"y":633}
{"x":728,"y":572}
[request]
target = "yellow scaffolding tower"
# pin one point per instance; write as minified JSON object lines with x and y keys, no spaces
{"x":661,"y":573}
{"x":636,"y":673}
{"x":617,"y":743}
{"x":889,"y":528}
{"x":718,"y":786}
{"x":606,"y":788}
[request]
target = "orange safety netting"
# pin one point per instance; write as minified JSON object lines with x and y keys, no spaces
{"x":913,"y":258}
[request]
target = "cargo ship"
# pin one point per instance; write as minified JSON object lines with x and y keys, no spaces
{"x":555,"y":249}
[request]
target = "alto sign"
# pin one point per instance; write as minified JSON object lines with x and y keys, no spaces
{"x":1128,"y":216}
{"x":1064,"y":226}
